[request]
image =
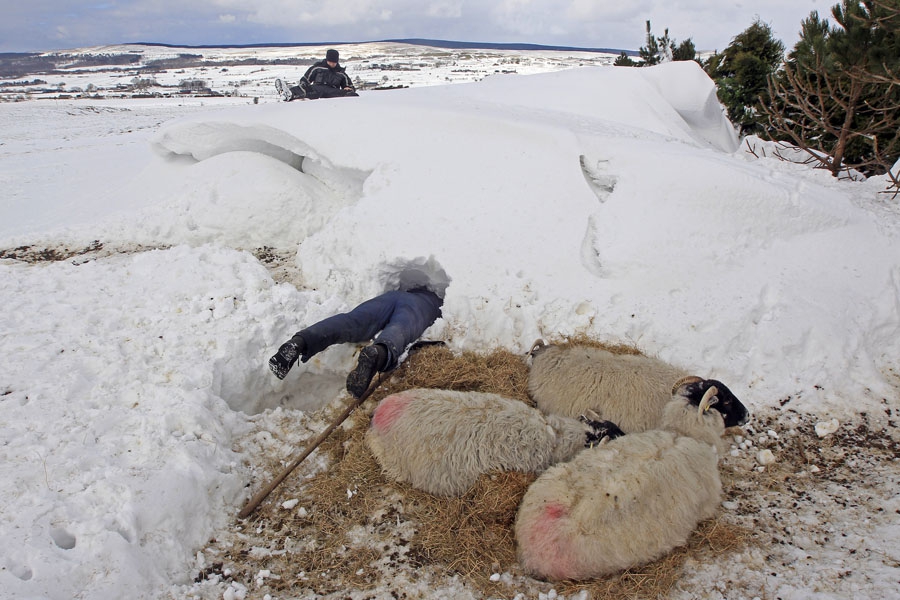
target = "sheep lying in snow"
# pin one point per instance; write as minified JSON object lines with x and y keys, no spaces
{"x":440,"y":441}
{"x":630,"y":500}
{"x":631,"y":391}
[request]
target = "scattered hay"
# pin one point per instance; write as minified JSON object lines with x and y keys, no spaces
{"x":357,"y":530}
{"x":500,"y":372}
{"x":656,"y":579}
{"x":472,"y":535}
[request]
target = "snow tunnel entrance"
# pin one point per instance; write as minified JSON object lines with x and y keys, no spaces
{"x":407,"y":274}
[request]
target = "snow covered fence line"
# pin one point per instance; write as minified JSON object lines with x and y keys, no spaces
{"x":631,"y":500}
{"x":631,"y":390}
{"x":440,"y":441}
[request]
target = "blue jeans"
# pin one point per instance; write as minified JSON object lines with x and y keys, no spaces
{"x":401,"y":317}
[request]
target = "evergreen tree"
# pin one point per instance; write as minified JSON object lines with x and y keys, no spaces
{"x":623,"y":60}
{"x":666,"y":45}
{"x":663,"y":49}
{"x":741,"y":72}
{"x":650,"y":54}
{"x":685,"y":51}
{"x":838,"y":96}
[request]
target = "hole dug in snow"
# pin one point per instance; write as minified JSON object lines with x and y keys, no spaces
{"x":251,"y":388}
{"x":330,"y":529}
{"x":310,"y":386}
{"x":406,"y":274}
{"x":309,"y":390}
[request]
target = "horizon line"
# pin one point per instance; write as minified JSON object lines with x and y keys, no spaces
{"x":412,"y":41}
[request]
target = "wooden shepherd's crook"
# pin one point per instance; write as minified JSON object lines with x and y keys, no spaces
{"x":265,"y":491}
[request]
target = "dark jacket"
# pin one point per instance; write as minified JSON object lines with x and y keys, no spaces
{"x":321,"y":74}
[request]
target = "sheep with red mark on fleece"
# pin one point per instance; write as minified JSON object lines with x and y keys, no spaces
{"x":630,"y":500}
{"x":440,"y":441}
{"x":629,"y":390}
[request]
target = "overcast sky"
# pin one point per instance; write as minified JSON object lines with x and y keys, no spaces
{"x":38,"y":25}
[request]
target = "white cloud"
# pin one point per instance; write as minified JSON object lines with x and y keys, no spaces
{"x":446,"y":9}
{"x":61,"y":32}
{"x":604,"y":11}
{"x":588,"y":23}
{"x":350,"y":13}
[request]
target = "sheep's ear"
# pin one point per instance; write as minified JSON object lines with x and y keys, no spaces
{"x":709,"y":399}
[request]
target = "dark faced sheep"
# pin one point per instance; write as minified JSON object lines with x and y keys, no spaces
{"x":629,"y":390}
{"x":440,"y":441}
{"x":628,"y":501}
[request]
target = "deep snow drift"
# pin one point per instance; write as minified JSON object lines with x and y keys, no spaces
{"x":610,"y":202}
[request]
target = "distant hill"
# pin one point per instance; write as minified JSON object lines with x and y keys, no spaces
{"x":413,"y":41}
{"x":492,"y":46}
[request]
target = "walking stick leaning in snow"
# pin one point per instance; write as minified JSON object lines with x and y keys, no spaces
{"x":265,"y":491}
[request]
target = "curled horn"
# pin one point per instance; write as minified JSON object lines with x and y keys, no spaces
{"x":592,"y":415}
{"x":684,"y":380}
{"x":709,"y":398}
{"x":537,"y":347}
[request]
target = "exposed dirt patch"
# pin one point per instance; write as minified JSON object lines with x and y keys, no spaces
{"x":820,"y":513}
{"x":33,"y":254}
{"x":280,"y":264}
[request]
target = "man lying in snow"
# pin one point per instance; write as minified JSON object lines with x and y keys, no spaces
{"x":325,"y":79}
{"x":400,"y":316}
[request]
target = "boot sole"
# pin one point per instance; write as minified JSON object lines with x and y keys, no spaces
{"x":359,"y":378}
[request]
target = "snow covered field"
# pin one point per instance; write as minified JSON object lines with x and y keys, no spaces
{"x":612,"y":202}
{"x":251,"y":72}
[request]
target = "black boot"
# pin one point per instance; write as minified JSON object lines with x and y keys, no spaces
{"x":372,"y":359}
{"x":286,"y":356}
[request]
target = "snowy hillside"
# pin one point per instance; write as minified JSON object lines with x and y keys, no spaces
{"x":609,"y":202}
{"x":130,"y":70}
